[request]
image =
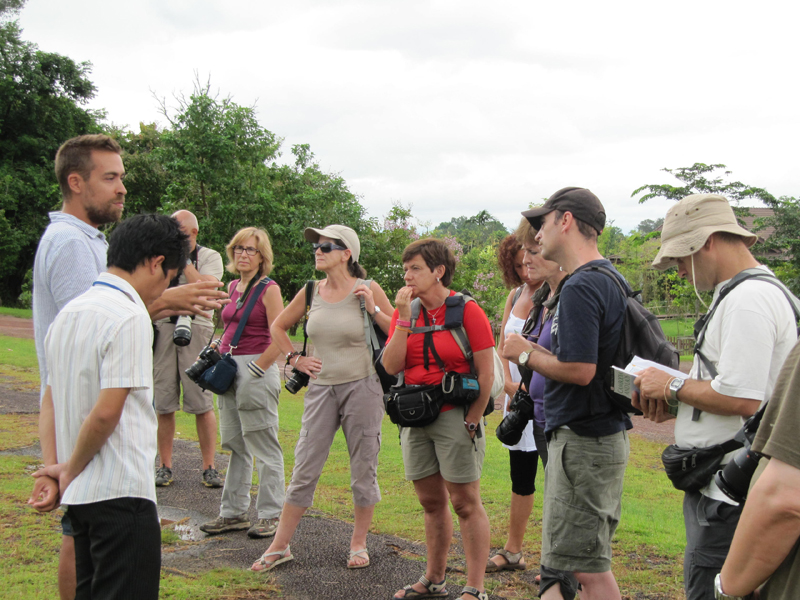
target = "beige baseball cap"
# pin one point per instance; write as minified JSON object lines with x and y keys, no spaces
{"x":336,"y":232}
{"x":690,"y":222}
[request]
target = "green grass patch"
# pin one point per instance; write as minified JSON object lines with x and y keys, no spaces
{"x":22,"y":313}
{"x":18,"y":362}
{"x":677,"y":327}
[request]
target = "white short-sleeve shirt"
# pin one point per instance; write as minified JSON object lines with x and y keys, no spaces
{"x":104,"y":339}
{"x":747,"y":339}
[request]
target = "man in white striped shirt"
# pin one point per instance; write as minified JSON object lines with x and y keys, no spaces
{"x":98,"y":410}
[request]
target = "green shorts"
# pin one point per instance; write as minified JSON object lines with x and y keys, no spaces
{"x":582,"y":500}
{"x":445,"y":447}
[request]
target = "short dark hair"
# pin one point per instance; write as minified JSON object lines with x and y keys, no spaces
{"x":141,"y":237}
{"x":587,"y":231}
{"x":434,"y":252}
{"x":729,"y":238}
{"x":506,"y":257}
{"x":75,"y":156}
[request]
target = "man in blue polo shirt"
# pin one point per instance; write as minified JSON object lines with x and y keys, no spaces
{"x":587,"y":435}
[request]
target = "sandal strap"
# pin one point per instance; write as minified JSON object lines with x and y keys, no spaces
{"x":433,"y":587}
{"x":513,"y":558}
{"x":278,"y":553}
{"x":467,"y":589}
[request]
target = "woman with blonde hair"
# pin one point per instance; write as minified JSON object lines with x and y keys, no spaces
{"x":248,"y":411}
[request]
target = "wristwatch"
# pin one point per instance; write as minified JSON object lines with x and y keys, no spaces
{"x":675,"y":386}
{"x":523,"y":358}
{"x":471,"y":426}
{"x":720,"y":595}
{"x":377,"y":310}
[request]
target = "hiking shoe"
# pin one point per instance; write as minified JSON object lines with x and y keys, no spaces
{"x":263,"y":528}
{"x":163,"y":476}
{"x":211,"y":478}
{"x":223,"y":524}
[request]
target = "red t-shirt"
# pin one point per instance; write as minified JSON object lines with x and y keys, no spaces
{"x":480,"y":336}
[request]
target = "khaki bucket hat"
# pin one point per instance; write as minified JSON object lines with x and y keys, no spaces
{"x":689,"y":224}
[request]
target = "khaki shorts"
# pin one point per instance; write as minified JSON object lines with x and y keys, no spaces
{"x":169,"y":363}
{"x":582,"y":500}
{"x":445,"y":447}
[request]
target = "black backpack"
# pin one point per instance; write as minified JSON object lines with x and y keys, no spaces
{"x":641,"y":335}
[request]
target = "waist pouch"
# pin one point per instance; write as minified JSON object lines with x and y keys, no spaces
{"x":460,"y":389}
{"x":691,"y":469}
{"x":413,"y":405}
{"x":220,"y":376}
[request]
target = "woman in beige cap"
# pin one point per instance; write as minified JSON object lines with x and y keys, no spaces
{"x":344,"y":389}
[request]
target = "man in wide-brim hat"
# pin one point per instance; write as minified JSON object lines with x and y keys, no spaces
{"x":748,"y":336}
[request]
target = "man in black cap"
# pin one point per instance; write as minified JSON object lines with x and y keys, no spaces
{"x":587,"y":434}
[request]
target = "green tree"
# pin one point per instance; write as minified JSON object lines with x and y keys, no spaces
{"x":649,"y":225}
{"x":701,"y":178}
{"x":42,"y":98}
{"x":473,"y":232}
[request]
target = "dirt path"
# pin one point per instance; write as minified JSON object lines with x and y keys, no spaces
{"x":16,"y":327}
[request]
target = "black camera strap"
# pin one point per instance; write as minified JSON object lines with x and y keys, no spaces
{"x":427,"y":344}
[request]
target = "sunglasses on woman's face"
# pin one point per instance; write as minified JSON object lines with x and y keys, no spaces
{"x":327,"y":247}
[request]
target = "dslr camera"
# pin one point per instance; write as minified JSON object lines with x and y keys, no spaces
{"x":207,"y":359}
{"x":297,"y":381}
{"x":734,"y":478}
{"x":183,"y":330}
{"x":510,"y":429}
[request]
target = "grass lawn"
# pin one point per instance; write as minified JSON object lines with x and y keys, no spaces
{"x":22,"y":313}
{"x":647,"y":548}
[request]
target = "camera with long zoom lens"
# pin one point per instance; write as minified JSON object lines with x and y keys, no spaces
{"x":207,"y":359}
{"x":734,"y":478}
{"x":520,"y":412}
{"x":183,"y":331}
{"x":298,"y":380}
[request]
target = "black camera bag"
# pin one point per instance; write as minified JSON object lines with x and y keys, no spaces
{"x":220,"y":377}
{"x":691,"y":469}
{"x":414,"y":405}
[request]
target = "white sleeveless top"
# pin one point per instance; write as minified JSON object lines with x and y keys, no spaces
{"x":526,"y":442}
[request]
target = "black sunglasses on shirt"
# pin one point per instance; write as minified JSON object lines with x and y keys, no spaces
{"x":327,"y":247}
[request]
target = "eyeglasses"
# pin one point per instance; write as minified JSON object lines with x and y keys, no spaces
{"x":249,"y":250}
{"x":327,"y":247}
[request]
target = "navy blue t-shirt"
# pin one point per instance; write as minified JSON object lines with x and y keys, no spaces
{"x":586,"y":328}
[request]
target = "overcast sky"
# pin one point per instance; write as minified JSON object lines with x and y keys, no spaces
{"x":460,"y":106}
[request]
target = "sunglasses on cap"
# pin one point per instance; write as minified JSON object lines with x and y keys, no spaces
{"x":327,"y":247}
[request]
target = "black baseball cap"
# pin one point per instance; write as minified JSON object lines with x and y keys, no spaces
{"x":582,"y":203}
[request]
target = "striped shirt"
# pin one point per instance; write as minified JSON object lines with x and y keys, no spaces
{"x":70,"y":256}
{"x":103,"y":339}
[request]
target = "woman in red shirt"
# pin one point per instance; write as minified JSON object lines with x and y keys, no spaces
{"x":443,"y":459}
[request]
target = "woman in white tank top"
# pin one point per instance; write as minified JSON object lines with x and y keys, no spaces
{"x":511,"y":255}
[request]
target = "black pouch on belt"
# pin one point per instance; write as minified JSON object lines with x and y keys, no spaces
{"x":413,"y":405}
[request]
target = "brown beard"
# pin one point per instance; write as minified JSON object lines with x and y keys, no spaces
{"x":102,"y":215}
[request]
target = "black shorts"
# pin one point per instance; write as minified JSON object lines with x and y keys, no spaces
{"x":523,"y":471}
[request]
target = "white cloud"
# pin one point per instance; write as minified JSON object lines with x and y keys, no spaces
{"x":461,"y":106}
